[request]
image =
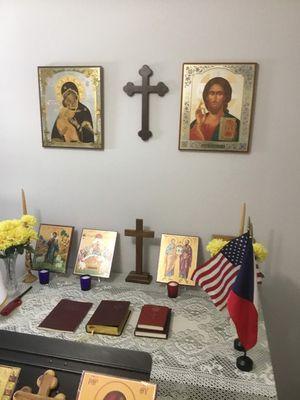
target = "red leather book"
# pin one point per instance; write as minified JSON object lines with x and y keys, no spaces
{"x":109,"y":318}
{"x":66,"y":315}
{"x":152,"y":333}
{"x":153,"y":317}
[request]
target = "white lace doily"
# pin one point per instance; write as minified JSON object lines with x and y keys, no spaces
{"x":197,"y":361}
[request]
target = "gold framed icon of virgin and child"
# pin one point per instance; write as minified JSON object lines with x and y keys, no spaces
{"x":71,"y":102}
{"x":216,"y":106}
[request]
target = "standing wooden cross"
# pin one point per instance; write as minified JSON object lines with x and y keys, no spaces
{"x":138,"y":275}
{"x":161,"y":89}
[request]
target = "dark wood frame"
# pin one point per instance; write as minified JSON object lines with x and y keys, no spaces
{"x":100,"y":97}
{"x":69,"y":249}
{"x":220,"y":146}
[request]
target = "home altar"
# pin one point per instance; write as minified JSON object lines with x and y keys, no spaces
{"x":197,"y":361}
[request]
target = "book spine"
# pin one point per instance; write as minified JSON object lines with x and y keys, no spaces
{"x":151,"y":335}
{"x":105,"y":330}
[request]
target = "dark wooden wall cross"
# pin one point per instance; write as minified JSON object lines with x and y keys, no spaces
{"x":161,"y":89}
{"x":138,"y":275}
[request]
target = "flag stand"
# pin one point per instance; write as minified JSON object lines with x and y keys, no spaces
{"x":238,"y":345}
{"x":244,"y":363}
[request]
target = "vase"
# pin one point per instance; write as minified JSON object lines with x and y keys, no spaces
{"x":11,"y":282}
{"x":3,"y":291}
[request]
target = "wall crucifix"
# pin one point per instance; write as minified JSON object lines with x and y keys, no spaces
{"x":139,"y":233}
{"x":145,"y":89}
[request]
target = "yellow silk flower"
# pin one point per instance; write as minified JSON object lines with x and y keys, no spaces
{"x":16,"y":232}
{"x":261,"y":253}
{"x":29,"y":220}
{"x":215,"y":245}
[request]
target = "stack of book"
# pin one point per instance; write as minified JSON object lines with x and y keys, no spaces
{"x":154,"y":321}
{"x":109,"y":318}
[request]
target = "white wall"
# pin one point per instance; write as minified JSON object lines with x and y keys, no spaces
{"x":181,"y":192}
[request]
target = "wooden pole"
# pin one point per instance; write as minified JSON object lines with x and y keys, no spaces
{"x":250,"y":227}
{"x":242,"y":220}
{"x":251,"y":232}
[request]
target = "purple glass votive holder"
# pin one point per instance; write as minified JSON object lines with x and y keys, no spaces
{"x":44,"y":276}
{"x":173,"y":289}
{"x":85,"y":282}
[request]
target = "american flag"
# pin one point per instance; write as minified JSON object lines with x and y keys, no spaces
{"x":219,"y":273}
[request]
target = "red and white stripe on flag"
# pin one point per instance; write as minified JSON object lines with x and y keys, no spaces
{"x":216,"y":278}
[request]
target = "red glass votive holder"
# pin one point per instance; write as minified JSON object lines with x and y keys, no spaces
{"x":85,"y":282}
{"x":44,"y":276}
{"x":173,"y":289}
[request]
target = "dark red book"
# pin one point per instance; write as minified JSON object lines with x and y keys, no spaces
{"x":153,"y":317}
{"x":109,"y":318}
{"x":66,"y":315}
{"x":152,"y":333}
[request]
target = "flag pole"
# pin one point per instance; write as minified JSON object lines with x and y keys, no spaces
{"x":244,"y":363}
{"x":236,"y":343}
{"x":250,"y":227}
{"x":29,"y":277}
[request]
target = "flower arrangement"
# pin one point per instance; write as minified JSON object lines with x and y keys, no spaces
{"x":215,"y":245}
{"x":16,"y":234}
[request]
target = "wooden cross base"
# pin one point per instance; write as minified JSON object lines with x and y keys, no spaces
{"x":29,"y":278}
{"x":46,"y":383}
{"x":135,"y":277}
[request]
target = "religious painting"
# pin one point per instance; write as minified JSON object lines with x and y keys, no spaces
{"x":95,"y":386}
{"x":95,"y":253}
{"x":177,"y":259}
{"x":53,"y":247}
{"x":8,"y":380}
{"x":217,"y":106}
{"x":71,"y":101}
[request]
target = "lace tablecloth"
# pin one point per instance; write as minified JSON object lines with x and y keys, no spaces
{"x":197,"y":361}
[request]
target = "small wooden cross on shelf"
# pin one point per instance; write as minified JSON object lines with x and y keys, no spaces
{"x":145,"y":89}
{"x":46,"y":383}
{"x":138,"y":276}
